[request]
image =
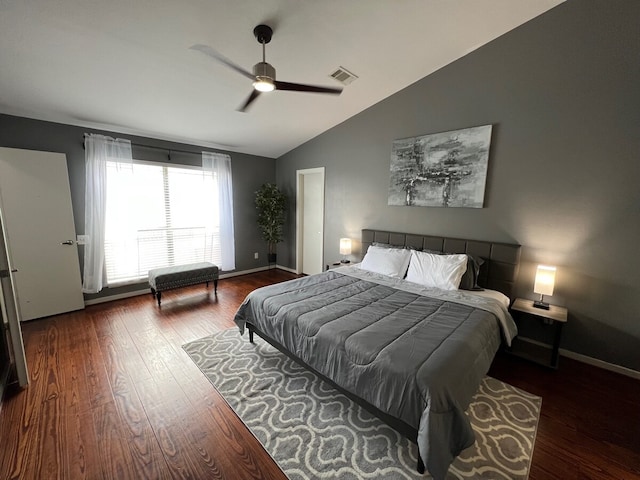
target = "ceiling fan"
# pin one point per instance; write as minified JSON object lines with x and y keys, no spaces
{"x":264,"y":75}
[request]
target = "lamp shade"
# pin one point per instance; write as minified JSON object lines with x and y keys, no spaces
{"x":545,"y":280}
{"x":345,"y":246}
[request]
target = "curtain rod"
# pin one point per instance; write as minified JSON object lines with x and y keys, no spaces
{"x":169,"y":151}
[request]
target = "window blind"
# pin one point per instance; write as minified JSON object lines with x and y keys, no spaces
{"x":157,"y":216}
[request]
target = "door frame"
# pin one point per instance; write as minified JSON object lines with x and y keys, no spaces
{"x":10,"y":307}
{"x":300,"y":212}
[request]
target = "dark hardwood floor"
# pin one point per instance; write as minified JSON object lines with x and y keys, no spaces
{"x":113,"y":395}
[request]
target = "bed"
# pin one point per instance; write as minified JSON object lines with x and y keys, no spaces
{"x":412,"y":354}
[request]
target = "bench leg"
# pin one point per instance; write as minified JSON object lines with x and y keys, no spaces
{"x":420,"y":467}
{"x":215,"y":286}
{"x":153,"y":292}
{"x":159,"y":296}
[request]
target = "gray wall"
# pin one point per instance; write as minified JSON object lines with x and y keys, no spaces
{"x":563,"y":95}
{"x":249,"y":172}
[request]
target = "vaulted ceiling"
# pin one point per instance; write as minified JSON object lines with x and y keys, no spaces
{"x":126,"y":65}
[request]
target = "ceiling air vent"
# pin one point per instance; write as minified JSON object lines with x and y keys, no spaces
{"x":343,"y":75}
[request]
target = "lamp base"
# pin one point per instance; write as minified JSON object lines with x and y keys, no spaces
{"x":345,"y":261}
{"x":541,"y":304}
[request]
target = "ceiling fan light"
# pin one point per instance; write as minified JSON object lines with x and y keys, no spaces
{"x":264,"y":84}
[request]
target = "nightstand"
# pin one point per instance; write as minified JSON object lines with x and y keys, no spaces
{"x":331,"y":266}
{"x":555,"y":316}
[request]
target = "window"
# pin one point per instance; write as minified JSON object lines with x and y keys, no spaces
{"x":159,"y":215}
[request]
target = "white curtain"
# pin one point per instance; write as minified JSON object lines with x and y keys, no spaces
{"x":220,"y":165}
{"x":97,"y":150}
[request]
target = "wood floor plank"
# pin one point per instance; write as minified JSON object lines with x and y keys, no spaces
{"x":93,"y":363}
{"x":79,"y":446}
{"x":129,"y":357}
{"x":80,"y":451}
{"x":20,"y":414}
{"x":48,"y":412}
{"x":123,"y":361}
{"x":114,"y":395}
{"x":115,"y":460}
{"x":158,"y":353}
{"x":239,"y":444}
{"x":182,"y":448}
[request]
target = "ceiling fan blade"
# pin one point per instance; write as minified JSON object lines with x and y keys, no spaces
{"x":249,"y":101}
{"x":298,"y":87}
{"x":210,"y":52}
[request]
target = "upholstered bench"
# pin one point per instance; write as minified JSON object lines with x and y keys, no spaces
{"x":167,"y":278}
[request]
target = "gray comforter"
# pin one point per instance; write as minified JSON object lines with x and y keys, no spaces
{"x":418,"y":358}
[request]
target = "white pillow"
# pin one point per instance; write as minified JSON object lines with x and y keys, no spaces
{"x":439,"y":271}
{"x":387,"y":261}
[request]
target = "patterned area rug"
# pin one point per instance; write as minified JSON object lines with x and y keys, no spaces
{"x":313,"y":431}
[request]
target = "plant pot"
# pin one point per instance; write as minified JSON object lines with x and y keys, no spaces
{"x":271,"y":257}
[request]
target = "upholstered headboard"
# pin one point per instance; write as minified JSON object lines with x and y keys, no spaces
{"x":501,"y":260}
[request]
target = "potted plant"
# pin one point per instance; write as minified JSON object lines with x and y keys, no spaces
{"x":271,"y":204}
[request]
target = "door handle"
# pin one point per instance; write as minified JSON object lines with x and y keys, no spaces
{"x":67,"y":242}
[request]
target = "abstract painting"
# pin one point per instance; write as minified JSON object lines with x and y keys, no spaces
{"x":447,"y":169}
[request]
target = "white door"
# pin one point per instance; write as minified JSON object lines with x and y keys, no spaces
{"x":9,"y":312}
{"x":36,"y":203}
{"x":310,"y":220}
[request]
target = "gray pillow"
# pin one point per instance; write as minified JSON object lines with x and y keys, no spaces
{"x":469,"y":280}
{"x":388,"y":245}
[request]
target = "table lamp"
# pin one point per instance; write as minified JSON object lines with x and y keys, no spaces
{"x":345,"y":249}
{"x":543,"y":285}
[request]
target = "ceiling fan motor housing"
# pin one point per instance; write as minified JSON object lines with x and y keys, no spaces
{"x":263,"y":33}
{"x":264,"y":69}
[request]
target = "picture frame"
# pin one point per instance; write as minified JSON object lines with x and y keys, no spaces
{"x":446,"y":169}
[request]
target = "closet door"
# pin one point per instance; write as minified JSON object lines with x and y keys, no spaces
{"x":40,"y":233}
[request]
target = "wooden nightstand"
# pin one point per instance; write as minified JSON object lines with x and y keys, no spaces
{"x":556,"y":316}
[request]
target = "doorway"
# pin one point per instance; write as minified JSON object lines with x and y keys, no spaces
{"x":310,"y":220}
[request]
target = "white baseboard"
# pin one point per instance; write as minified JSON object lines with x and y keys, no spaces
{"x":612,"y":367}
{"x":287,"y":269}
{"x":243,"y":272}
{"x":254,"y":270}
{"x":119,"y":296}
